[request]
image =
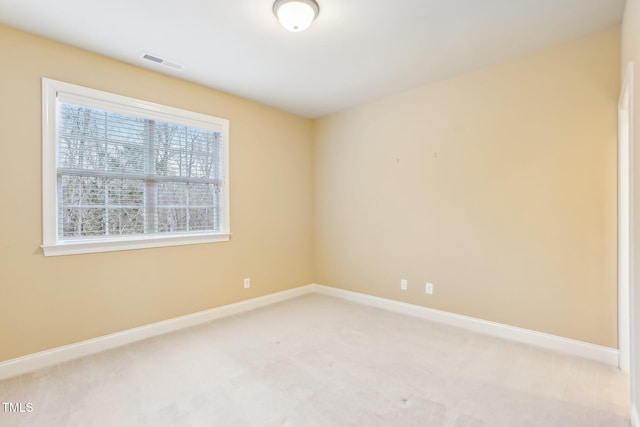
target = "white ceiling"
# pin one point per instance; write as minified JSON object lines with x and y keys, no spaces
{"x":356,"y":51}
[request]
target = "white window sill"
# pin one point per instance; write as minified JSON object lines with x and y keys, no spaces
{"x":74,"y":247}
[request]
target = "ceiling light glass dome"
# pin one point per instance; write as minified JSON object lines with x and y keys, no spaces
{"x":296,"y":15}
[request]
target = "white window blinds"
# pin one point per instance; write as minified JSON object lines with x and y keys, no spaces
{"x":124,"y":171}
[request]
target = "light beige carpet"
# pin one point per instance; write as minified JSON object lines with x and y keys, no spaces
{"x":322,"y":361}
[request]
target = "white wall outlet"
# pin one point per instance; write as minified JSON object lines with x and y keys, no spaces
{"x":429,"y":288}
{"x":247,"y":283}
{"x":403,"y":284}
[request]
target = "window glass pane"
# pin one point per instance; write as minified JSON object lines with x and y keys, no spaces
{"x":187,"y":152}
{"x":80,"y":191}
{"x":201,"y":219}
{"x":126,"y":192}
{"x":90,"y":139}
{"x":172,"y":194}
{"x":95,"y":147}
{"x":124,"y":221}
{"x":70,"y":222}
{"x":91,"y":222}
{"x":172,"y":220}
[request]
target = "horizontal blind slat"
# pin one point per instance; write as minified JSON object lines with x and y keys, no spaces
{"x":157,"y":178}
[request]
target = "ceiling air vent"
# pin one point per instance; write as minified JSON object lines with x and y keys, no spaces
{"x":161,"y":61}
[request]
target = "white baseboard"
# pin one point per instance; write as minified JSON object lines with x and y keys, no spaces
{"x":590,"y":351}
{"x":635,"y":418}
{"x":43,"y":359}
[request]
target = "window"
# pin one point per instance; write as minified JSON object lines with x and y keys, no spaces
{"x":121,"y":173}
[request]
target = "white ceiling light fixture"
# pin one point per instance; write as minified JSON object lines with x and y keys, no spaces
{"x":296,"y":15}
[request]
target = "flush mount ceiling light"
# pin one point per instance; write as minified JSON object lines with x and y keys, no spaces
{"x":296,"y":15}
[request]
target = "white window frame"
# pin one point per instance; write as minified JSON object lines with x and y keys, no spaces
{"x":52,"y":243}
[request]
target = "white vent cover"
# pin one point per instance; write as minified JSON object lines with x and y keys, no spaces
{"x":153,"y":58}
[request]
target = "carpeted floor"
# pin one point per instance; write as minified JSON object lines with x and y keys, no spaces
{"x":322,"y":361}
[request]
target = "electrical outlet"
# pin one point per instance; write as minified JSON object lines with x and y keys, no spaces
{"x":247,"y":283}
{"x":429,"y":288}
{"x":403,"y":284}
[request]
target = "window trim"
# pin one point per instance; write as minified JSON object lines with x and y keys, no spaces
{"x":51,"y":245}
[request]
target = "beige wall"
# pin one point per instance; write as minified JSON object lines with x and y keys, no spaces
{"x":49,"y":302}
{"x":631,"y":52}
{"x":499,"y":186}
